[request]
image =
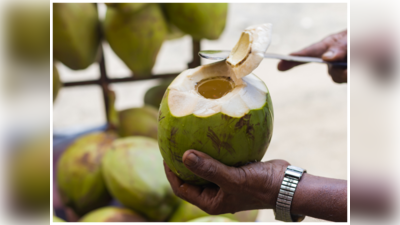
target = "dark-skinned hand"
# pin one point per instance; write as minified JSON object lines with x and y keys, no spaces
{"x":254,"y":186}
{"x":332,"y":48}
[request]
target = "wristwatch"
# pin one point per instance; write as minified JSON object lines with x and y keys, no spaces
{"x":286,"y":192}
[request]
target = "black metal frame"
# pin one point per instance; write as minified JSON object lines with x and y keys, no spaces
{"x":104,"y":80}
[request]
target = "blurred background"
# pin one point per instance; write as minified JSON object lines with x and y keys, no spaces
{"x":375,"y":108}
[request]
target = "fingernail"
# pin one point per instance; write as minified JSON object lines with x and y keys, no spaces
{"x":328,"y":54}
{"x":191,"y":160}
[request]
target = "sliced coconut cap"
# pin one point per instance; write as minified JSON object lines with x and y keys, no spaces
{"x":249,"y":50}
{"x":183,"y":99}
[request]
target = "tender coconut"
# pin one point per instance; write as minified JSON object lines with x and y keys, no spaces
{"x":221,"y":109}
{"x":249,"y":50}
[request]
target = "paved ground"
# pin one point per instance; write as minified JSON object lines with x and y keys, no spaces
{"x":310,"y":110}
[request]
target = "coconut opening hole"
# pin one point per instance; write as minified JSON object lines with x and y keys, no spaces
{"x":214,"y":88}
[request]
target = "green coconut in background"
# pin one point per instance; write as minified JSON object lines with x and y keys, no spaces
{"x":112,"y":214}
{"x":28,"y":171}
{"x":134,"y":173}
{"x":213,"y":219}
{"x":79,"y":177}
{"x":200,"y":20}
{"x":155,"y":94}
{"x":138,"y":122}
{"x":136,"y":37}
{"x":186,"y":211}
{"x":221,"y":109}
{"x":57,"y":220}
{"x":76,"y":36}
{"x":126,"y":8}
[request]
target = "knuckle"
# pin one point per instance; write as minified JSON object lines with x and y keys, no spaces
{"x":336,"y":40}
{"x":329,"y":40}
{"x":210,"y":172}
{"x":241,"y":178}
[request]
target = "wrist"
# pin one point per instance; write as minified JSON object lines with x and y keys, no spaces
{"x":299,"y":198}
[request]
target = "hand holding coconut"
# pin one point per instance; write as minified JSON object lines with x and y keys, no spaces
{"x":332,"y":48}
{"x":256,"y":186}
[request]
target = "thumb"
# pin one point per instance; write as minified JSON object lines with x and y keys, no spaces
{"x":335,"y":53}
{"x":208,"y":168}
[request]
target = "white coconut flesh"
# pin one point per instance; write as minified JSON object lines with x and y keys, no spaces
{"x":249,"y":50}
{"x":243,"y":91}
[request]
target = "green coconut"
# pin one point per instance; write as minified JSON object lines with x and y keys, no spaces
{"x":57,"y":220}
{"x":127,"y":8}
{"x":200,"y":20}
{"x":30,"y":173}
{"x":113,"y":119}
{"x":155,"y":94}
{"x":187,"y":211}
{"x":76,"y":36}
{"x":138,"y":122}
{"x":112,"y":214}
{"x":235,"y":138}
{"x":134,"y":173}
{"x":212,"y":219}
{"x":221,"y":109}
{"x":56,"y":82}
{"x":79,"y":175}
{"x":27,"y":28}
{"x":173,"y":31}
{"x":136,"y":37}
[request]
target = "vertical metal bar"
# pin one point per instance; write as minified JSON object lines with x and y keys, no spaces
{"x":104,"y":84}
{"x":196,"y":60}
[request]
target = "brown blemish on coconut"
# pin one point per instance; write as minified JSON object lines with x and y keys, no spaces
{"x":172,"y":136}
{"x":227,"y":118}
{"x":176,"y":157}
{"x":85,"y":159}
{"x":218,"y":144}
{"x":160,"y":117}
{"x":162,"y":150}
{"x":87,"y":162}
{"x":245,"y":121}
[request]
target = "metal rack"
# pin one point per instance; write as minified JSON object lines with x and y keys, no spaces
{"x":104,"y":80}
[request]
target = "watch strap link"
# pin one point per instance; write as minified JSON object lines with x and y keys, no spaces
{"x":285,"y":196}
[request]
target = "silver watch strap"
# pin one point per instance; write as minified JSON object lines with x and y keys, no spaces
{"x":285,"y":196}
